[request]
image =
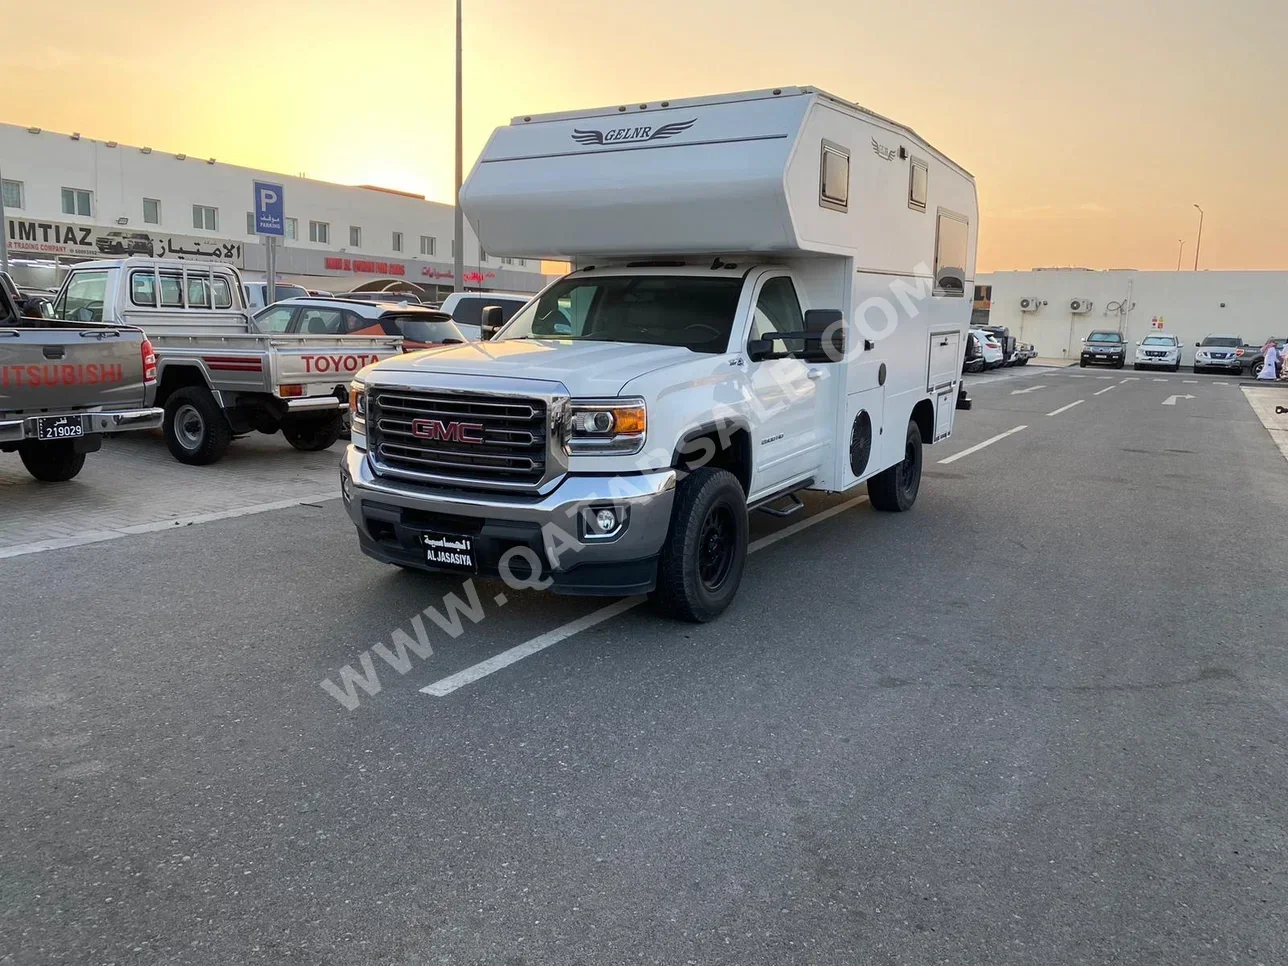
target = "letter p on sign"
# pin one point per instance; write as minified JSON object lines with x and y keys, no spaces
{"x":269,"y":209}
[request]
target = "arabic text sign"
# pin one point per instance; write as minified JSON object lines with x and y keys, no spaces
{"x":269,"y":209}
{"x":91,"y":241}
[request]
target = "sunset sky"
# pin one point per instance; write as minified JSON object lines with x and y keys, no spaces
{"x":1091,"y":128}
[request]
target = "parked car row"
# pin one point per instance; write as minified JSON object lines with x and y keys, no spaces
{"x":1159,"y":350}
{"x":990,"y":347}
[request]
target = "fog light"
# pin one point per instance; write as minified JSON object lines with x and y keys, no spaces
{"x":605,"y":521}
{"x":346,"y":487}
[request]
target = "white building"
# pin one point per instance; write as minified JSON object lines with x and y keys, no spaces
{"x":1253,"y":305}
{"x":68,"y":198}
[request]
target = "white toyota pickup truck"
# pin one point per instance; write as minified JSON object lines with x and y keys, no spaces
{"x":770,"y":296}
{"x":217,"y":376}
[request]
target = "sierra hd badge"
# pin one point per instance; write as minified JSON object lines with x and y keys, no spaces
{"x":622,"y":135}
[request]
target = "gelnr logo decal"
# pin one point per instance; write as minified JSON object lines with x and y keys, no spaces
{"x":626,"y":135}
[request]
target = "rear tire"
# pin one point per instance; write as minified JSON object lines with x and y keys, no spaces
{"x":895,"y":490}
{"x":312,"y":435}
{"x":1255,"y":370}
{"x":51,"y":462}
{"x":702,"y":559}
{"x":196,"y":430}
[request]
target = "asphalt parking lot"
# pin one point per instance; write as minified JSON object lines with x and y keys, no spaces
{"x":1040,"y":719}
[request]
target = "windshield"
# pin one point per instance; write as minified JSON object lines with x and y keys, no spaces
{"x":695,"y":312}
{"x":1158,"y":340}
{"x":1224,"y":341}
{"x":1104,"y":337}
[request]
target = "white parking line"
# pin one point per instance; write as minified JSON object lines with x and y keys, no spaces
{"x":498,"y":662}
{"x":1215,"y":383}
{"x":1076,"y":375}
{"x":156,"y":526}
{"x":1160,"y":380}
{"x":1057,"y":412}
{"x":1189,"y":380}
{"x":1129,"y":379}
{"x":1102,"y":391}
{"x":1104,"y":377}
{"x":979,"y":446}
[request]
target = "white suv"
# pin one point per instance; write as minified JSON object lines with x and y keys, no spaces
{"x":1158,"y":350}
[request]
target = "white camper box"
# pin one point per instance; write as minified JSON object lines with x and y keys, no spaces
{"x":866,"y":216}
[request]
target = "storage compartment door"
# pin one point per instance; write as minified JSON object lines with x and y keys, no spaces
{"x":945,"y":407}
{"x":945,"y":359}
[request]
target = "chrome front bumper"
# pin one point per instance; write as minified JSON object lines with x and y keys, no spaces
{"x":16,"y":430}
{"x":646,"y":499}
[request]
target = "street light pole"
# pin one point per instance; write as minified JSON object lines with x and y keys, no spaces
{"x":458,"y":255}
{"x":4,"y":232}
{"x":1180,"y":253}
{"x":1198,"y":241}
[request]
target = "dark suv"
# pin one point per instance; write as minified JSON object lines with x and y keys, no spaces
{"x":1104,"y":347}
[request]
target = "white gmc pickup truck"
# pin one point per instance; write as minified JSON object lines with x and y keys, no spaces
{"x":769,"y":296}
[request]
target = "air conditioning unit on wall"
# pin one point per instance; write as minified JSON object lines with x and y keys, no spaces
{"x":1080,"y":306}
{"x":1030,"y":304}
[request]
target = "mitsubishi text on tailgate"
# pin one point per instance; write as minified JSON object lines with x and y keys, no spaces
{"x":64,"y":385}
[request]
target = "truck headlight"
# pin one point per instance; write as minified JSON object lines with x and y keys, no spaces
{"x":606,"y":426}
{"x":357,"y":408}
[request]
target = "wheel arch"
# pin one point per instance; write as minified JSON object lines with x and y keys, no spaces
{"x":723,"y":445}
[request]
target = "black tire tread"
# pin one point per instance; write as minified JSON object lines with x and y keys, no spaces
{"x":883,"y":488}
{"x":218,"y":433}
{"x":675,"y":594}
{"x":311,"y":436}
{"x":50,"y":462}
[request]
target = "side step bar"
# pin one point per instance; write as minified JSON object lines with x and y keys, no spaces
{"x":794,"y":502}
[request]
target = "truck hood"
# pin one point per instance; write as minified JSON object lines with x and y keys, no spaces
{"x":586,"y":368}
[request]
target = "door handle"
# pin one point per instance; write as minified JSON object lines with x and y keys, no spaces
{"x":814,"y":373}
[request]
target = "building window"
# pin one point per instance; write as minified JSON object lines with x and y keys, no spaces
{"x":205,"y":218}
{"x":250,"y":222}
{"x":952,"y":240}
{"x":355,"y":236}
{"x":453,"y":247}
{"x":397,"y":241}
{"x":11,"y":194}
{"x":834,"y":177}
{"x":427,"y":245}
{"x":482,"y":254}
{"x":76,"y":201}
{"x":292,"y":228}
{"x":918,"y":185}
{"x":523,"y":263}
{"x":320,"y":232}
{"x":507,"y":261}
{"x":151,"y":211}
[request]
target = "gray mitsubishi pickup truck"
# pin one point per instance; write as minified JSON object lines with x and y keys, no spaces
{"x":63,"y":385}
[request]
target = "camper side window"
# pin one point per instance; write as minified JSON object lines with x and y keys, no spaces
{"x":834,"y":177}
{"x":918,"y":184}
{"x":952,"y":238}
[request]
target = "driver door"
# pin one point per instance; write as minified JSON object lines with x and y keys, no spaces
{"x":784,"y":390}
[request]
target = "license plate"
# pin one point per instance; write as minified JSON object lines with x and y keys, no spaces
{"x":1099,"y":356}
{"x":450,"y":550}
{"x":60,"y":427}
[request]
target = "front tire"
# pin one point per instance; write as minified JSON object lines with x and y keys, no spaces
{"x":312,"y":435}
{"x":196,"y":430}
{"x":895,"y":490}
{"x":51,"y":462}
{"x":702,"y":560}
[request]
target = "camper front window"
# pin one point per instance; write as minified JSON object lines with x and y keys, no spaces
{"x":695,"y":312}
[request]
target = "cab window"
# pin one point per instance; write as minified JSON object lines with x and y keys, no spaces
{"x":143,"y":289}
{"x":198,"y":293}
{"x":172,"y":290}
{"x":276,"y":319}
{"x":83,"y":299}
{"x":223,"y":293}
{"x":777,"y":309}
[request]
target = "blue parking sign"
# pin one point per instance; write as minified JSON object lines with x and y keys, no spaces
{"x":268,"y":206}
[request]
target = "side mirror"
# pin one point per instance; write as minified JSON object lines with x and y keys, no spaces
{"x":490,"y":323}
{"x":1197,"y":344}
{"x":829,"y":327}
{"x":759,"y":349}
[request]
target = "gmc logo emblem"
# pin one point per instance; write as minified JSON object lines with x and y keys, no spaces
{"x":448,"y":432}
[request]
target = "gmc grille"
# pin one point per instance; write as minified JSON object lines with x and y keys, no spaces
{"x":508,"y":447}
